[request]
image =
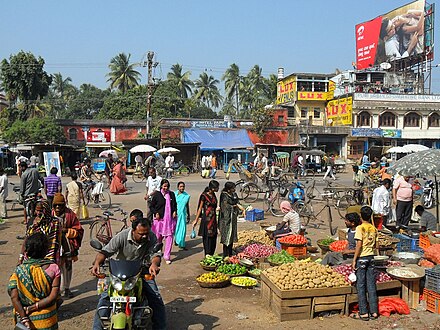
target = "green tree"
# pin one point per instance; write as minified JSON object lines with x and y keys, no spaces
{"x":130,"y":105}
{"x":203,"y":112}
{"x":60,"y":85}
{"x":87,"y":103}
{"x":270,"y":90}
{"x":227,"y":108}
{"x":24,"y":80}
{"x":182,"y":80}
{"x":232,"y":80}
{"x":122,"y":74}
{"x":35,"y":130}
{"x":262,"y":119}
{"x":207,"y":90}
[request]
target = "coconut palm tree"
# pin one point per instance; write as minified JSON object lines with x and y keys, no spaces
{"x":182,"y":80}
{"x":207,"y":90}
{"x":59,"y":84}
{"x":122,"y":74}
{"x":232,"y":80}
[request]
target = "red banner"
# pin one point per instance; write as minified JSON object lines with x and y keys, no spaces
{"x":367,"y":37}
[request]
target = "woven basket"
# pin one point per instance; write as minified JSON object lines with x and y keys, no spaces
{"x":208,"y":268}
{"x":324,"y":248}
{"x":215,"y":285}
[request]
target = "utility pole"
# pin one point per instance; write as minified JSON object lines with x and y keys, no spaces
{"x":150,"y":84}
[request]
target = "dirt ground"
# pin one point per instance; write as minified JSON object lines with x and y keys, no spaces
{"x":188,"y":306}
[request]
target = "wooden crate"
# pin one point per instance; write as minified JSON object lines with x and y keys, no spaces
{"x":301,"y":304}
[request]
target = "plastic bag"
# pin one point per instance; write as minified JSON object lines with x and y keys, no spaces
{"x":193,"y":233}
{"x":84,"y":212}
{"x":388,"y":306}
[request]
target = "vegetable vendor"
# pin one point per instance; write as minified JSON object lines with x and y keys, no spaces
{"x":352,"y":220}
{"x":291,"y":223}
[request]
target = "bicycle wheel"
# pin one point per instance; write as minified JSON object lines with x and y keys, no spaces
{"x":104,"y":200}
{"x":344,"y":203}
{"x":330,"y":221}
{"x":99,"y":230}
{"x":137,"y":177}
{"x":274,"y":204}
{"x":239,"y":188}
{"x":250,"y":192}
{"x":304,"y":211}
{"x":185,"y":171}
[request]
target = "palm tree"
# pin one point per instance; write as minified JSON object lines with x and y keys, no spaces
{"x":182,"y":80}
{"x":271,"y":88}
{"x":59,"y":84}
{"x":232,"y":84}
{"x":122,"y":74}
{"x":207,"y":90}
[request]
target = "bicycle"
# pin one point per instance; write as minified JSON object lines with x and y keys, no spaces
{"x":274,"y":196}
{"x":181,"y":169}
{"x":95,"y":193}
{"x":101,"y":228}
{"x":307,"y":212}
{"x":139,"y":174}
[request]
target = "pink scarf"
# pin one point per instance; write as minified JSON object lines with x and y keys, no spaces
{"x":167,"y":216}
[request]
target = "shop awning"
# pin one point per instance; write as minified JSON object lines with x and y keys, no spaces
{"x":217,"y":139}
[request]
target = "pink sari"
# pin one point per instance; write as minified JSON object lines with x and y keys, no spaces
{"x":167,"y":225}
{"x":117,"y":184}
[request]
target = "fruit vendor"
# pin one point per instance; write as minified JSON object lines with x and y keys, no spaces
{"x":291,"y":223}
{"x":352,"y":220}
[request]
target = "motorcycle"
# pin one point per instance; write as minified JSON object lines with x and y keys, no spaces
{"x":428,"y":194}
{"x":77,"y":168}
{"x":129,"y":308}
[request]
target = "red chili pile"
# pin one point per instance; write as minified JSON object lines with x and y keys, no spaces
{"x":293,"y":239}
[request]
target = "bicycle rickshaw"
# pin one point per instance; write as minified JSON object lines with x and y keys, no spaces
{"x":311,"y":160}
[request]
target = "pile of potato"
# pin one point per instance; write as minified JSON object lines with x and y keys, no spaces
{"x":304,"y":275}
{"x":246,"y":237}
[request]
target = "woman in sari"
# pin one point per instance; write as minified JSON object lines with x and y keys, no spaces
{"x":74,"y":195}
{"x":119,"y":178}
{"x":182,"y":199}
{"x":227,"y":220}
{"x":34,"y":286}
{"x":206,"y":213}
{"x":163,"y":208}
{"x":45,"y":223}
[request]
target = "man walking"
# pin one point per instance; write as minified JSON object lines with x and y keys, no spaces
{"x":29,"y":184}
{"x":329,"y":163}
{"x":403,"y":199}
{"x":52,"y":185}
{"x":3,"y":195}
{"x":152,"y":185}
{"x":381,"y":202}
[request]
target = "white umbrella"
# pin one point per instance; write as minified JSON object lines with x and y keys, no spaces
{"x":142,"y":148}
{"x":168,"y":150}
{"x":397,"y":150}
{"x":416,"y":147}
{"x":105,"y":153}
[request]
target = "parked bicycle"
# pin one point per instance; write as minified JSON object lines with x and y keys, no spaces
{"x":140,"y":174}
{"x":101,"y":228}
{"x":181,"y":169}
{"x":94,"y":193}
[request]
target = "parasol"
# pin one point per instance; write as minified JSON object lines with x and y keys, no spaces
{"x":168,"y":150}
{"x":423,"y":164}
{"x":142,"y":148}
{"x":407,"y":149}
{"x":105,"y":153}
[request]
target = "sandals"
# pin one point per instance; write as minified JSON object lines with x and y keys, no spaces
{"x":358,"y":316}
{"x":374,"y":316}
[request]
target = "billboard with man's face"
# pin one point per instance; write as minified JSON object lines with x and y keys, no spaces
{"x":396,"y":35}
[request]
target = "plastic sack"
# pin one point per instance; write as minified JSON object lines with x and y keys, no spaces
{"x":193,"y":233}
{"x":388,"y":306}
{"x":97,"y":189}
{"x":84,"y":212}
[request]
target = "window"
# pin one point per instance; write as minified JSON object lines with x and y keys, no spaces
{"x":73,"y":134}
{"x":364,"y":119}
{"x":412,"y":119}
{"x":387,"y":119}
{"x":316,"y":113}
{"x":434,"y":120}
{"x":280,"y":119}
{"x":356,"y":148}
{"x":291,"y":112}
{"x":319,"y":86}
{"x":304,"y":112}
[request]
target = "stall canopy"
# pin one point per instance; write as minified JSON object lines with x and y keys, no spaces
{"x":218,"y":139}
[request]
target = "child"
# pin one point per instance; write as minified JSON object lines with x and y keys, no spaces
{"x":363,"y":263}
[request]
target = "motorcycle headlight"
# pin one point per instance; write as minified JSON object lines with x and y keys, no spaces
{"x":130,"y":283}
{"x":116,"y":283}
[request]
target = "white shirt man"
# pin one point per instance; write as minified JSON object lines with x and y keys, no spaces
{"x":153,"y":184}
{"x":381,"y":202}
{"x":169,"y":160}
{"x":203,"y":162}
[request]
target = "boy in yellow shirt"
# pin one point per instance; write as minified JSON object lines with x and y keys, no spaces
{"x":363,"y":262}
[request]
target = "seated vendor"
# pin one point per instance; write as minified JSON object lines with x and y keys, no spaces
{"x":291,"y":223}
{"x":352,"y":220}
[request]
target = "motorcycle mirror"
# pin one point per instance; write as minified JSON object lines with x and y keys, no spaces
{"x":157,"y":247}
{"x":97,"y":245}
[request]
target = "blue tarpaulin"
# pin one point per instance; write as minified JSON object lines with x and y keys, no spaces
{"x":217,"y":139}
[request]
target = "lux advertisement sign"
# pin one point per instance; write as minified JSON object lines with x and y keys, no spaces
{"x":340,"y":111}
{"x":286,"y":90}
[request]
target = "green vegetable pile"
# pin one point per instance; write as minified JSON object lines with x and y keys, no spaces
{"x":231,"y":269}
{"x":256,"y":272}
{"x":214,"y":260}
{"x":326,"y":241}
{"x":281,"y":257}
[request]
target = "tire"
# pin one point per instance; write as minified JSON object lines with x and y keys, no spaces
{"x":427,"y":202}
{"x":330,"y":222}
{"x":250,"y":192}
{"x":239,"y":188}
{"x":105,"y":200}
{"x":343,"y":203}
{"x":100,"y":231}
{"x":137,"y":177}
{"x":303,"y":210}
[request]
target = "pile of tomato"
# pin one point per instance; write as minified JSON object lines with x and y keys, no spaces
{"x":338,"y":246}
{"x":293,"y":240}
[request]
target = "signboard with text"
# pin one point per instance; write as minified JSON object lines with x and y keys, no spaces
{"x":340,"y":111}
{"x":396,"y":35}
{"x":312,"y":96}
{"x":286,"y":90}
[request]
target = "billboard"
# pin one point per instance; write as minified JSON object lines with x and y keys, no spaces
{"x":340,"y":111}
{"x":286,"y":90}
{"x":312,"y":96}
{"x":396,"y":35}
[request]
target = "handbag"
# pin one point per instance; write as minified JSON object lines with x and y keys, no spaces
{"x":84,"y":212}
{"x":193,"y":234}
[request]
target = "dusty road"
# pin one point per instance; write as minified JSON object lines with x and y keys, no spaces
{"x":188,"y":305}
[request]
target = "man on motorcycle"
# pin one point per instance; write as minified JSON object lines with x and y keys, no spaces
{"x":135,"y":243}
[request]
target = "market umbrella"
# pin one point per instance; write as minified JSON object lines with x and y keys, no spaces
{"x":422,"y":163}
{"x":142,"y":148}
{"x":168,"y":150}
{"x":105,"y":153}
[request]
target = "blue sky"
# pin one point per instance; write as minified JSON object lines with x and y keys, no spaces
{"x":78,"y":38}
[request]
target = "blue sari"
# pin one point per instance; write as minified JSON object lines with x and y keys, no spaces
{"x":182,"y":200}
